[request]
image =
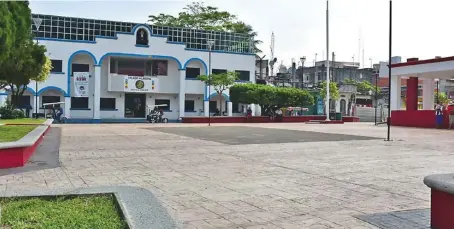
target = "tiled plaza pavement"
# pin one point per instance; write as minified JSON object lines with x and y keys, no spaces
{"x":287,"y":182}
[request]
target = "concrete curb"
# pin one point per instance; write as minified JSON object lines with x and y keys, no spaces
{"x":141,"y":209}
{"x":441,"y":182}
{"x":28,"y":140}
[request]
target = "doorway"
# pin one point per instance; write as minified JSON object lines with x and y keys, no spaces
{"x":135,"y":105}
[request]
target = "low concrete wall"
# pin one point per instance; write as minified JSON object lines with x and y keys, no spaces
{"x":16,"y":154}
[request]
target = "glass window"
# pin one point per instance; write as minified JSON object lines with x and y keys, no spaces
{"x":243,"y":75}
{"x":50,"y":99}
{"x":57,"y":66}
{"x":213,"y":106}
{"x":80,"y":68}
{"x":192,"y":73}
{"x":159,"y":67}
{"x":189,"y":105}
{"x":163,"y":102}
{"x":107,"y":103}
{"x":24,"y":101}
{"x":79,"y":102}
{"x":218,"y":71}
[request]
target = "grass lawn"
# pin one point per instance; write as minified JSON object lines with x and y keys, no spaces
{"x":82,"y":212}
{"x":22,"y":121}
{"x":14,"y":133}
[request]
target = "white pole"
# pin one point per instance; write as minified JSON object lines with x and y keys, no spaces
{"x":327,"y":103}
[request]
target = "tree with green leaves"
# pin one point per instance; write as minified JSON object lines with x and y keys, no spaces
{"x":441,"y":97}
{"x":270,"y":98}
{"x":333,"y":91}
{"x":199,"y":16}
{"x":220,"y":82}
{"x":6,"y":35}
{"x":26,"y":60}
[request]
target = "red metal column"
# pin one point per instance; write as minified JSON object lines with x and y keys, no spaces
{"x":412,"y":94}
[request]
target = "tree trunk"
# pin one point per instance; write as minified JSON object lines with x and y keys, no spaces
{"x":220,"y":104}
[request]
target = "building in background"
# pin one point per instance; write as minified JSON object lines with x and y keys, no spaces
{"x":114,"y":70}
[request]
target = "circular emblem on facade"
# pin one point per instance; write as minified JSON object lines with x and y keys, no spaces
{"x":140,"y":84}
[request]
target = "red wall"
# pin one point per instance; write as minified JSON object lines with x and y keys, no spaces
{"x":441,"y":210}
{"x":412,"y":94}
{"x":416,"y":118}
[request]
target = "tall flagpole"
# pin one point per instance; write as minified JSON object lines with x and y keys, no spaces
{"x":389,"y":68}
{"x":327,"y":103}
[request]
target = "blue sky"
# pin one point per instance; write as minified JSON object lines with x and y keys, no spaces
{"x":421,"y":28}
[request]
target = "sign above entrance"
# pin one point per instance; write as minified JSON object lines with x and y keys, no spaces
{"x":140,"y":84}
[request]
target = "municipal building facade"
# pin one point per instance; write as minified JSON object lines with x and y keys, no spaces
{"x":115,"y":70}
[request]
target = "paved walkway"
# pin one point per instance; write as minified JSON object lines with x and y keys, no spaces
{"x":208,"y":182}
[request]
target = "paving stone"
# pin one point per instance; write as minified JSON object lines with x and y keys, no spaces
{"x":287,"y":175}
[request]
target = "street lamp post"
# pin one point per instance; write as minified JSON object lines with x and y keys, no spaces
{"x":327,"y":102}
{"x":376,"y":97}
{"x":389,"y":68}
{"x":210,"y":44}
{"x":302,"y":59}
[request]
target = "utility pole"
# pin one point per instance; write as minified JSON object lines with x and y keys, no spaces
{"x":389,"y":68}
{"x":327,"y":103}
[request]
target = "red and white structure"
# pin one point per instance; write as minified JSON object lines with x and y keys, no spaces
{"x":416,"y":71}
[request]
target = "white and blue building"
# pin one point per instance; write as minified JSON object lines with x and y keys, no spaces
{"x":166,"y":60}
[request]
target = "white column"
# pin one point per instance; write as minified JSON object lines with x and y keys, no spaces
{"x":253,"y":109}
{"x":428,"y":94}
{"x":395,"y":102}
{"x":97,"y":93}
{"x":3,"y":98}
{"x":338,"y":107}
{"x":206,"y":107}
{"x":258,"y":110}
{"x":182,"y":93}
{"x":67,"y":107}
{"x":229,"y":108}
{"x":36,"y":101}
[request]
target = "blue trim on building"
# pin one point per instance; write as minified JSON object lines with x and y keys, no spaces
{"x":51,"y":88}
{"x":142,"y":46}
{"x":140,"y":55}
{"x":28,"y":89}
{"x":218,"y":51}
{"x":80,"y":109}
{"x":117,"y":120}
{"x":226,"y":97}
{"x":108,"y":109}
{"x":106,"y":37}
{"x":3,"y":93}
{"x":175,"y":42}
{"x":70,"y":66}
{"x":58,"y":73}
{"x":205,"y":94}
{"x":191,"y":79}
{"x":197,"y":59}
{"x":64,"y":40}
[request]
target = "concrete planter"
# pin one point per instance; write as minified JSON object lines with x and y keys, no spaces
{"x":442,"y":200}
{"x":16,"y":154}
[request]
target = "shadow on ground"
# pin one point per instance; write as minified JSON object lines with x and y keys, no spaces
{"x":411,"y":219}
{"x":46,"y":155}
{"x":241,"y":135}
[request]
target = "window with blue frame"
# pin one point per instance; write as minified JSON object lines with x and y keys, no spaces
{"x":57,"y":66}
{"x":243,"y":75}
{"x":189,"y":106}
{"x":163,"y":102}
{"x":218,"y":71}
{"x":192,"y":73}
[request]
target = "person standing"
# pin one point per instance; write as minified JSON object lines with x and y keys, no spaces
{"x":451,"y":115}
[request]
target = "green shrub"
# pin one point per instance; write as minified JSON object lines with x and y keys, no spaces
{"x":6,"y":113}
